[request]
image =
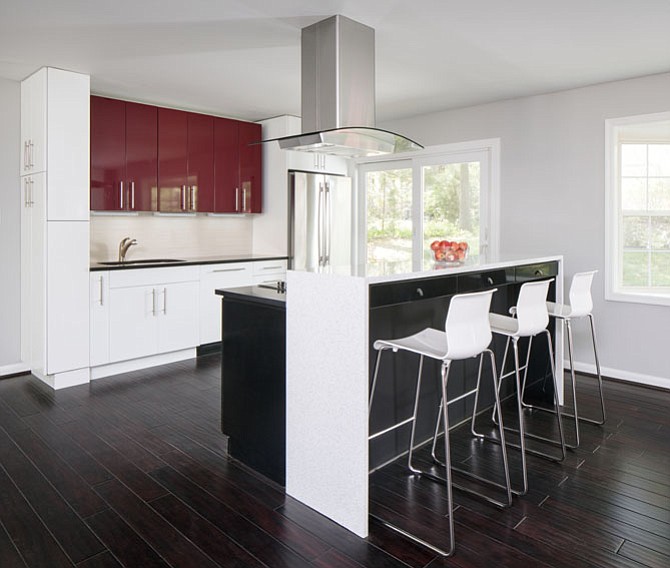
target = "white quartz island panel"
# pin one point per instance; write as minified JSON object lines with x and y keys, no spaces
{"x":327,"y":367}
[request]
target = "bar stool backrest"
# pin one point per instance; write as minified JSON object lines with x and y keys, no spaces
{"x":581,"y":302}
{"x":467,"y":326}
{"x":531,"y":308}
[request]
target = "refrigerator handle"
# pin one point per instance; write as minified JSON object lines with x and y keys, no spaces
{"x":327,"y":224}
{"x":319,"y":230}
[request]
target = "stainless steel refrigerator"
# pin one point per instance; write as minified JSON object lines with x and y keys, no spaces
{"x":321,"y":220}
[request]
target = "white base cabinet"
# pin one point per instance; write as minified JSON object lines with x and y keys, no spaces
{"x":213,"y":276}
{"x":230,"y":275}
{"x":99,"y":314}
{"x":152,"y":311}
{"x":150,"y":316}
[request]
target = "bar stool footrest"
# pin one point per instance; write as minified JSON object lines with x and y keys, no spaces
{"x":413,"y":537}
{"x":486,"y":498}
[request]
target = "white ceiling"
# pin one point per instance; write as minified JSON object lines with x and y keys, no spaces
{"x":242,"y":58}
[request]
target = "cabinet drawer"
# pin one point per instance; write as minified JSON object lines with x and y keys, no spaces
{"x":400,"y":292}
{"x":268,"y":267}
{"x":152,"y":276}
{"x":484,"y":280}
{"x":536,"y":271}
{"x":227,"y":274}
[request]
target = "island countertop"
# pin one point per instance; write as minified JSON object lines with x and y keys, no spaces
{"x":396,"y":271}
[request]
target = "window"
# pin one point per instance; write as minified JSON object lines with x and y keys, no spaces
{"x":638,"y":191}
{"x":446,"y":192}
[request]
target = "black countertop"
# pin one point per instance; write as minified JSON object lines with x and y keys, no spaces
{"x":185,"y":262}
{"x":256,"y":294}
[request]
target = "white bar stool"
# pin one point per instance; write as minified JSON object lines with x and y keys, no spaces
{"x":467,"y":334}
{"x":531,"y":319}
{"x":580,"y":306}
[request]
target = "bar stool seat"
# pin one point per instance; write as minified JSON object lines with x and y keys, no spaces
{"x":467,"y":334}
{"x":531,"y":319}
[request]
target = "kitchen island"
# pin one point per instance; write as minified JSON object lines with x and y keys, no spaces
{"x":333,"y":318}
{"x":253,"y":385}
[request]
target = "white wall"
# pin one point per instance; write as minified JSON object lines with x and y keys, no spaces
{"x":10,"y":227}
{"x":271,"y":228}
{"x":553,"y":200}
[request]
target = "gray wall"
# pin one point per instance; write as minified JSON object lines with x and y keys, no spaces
{"x":553,"y":199}
{"x":10,"y":227}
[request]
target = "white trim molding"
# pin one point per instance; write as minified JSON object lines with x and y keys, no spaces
{"x":613,"y":290}
{"x":13,"y":369}
{"x":622,"y":375}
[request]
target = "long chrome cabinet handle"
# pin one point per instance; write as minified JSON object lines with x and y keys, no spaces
{"x":319,"y":228}
{"x":193,"y":194}
{"x":229,"y":270}
{"x":326,"y":225}
{"x":153,"y":301}
{"x":237,"y":199}
{"x":25,"y":155}
{"x":100,"y":301}
{"x":121,"y":195}
{"x":25,"y":192}
{"x":183,"y":198}
{"x":132,"y":195}
{"x":32,"y":154}
{"x":164,"y":301}
{"x":32,"y":192}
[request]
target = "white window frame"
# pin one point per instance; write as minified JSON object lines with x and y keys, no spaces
{"x":613,"y":289}
{"x":443,"y":154}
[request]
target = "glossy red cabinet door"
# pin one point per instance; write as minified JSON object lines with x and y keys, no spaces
{"x":200,"y":179}
{"x":141,"y":156}
{"x":108,"y":154}
{"x":172,"y":159}
{"x":250,"y":166}
{"x":226,"y":166}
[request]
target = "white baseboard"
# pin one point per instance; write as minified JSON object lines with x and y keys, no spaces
{"x":67,"y":379}
{"x":13,"y":369}
{"x":143,"y":363}
{"x":649,"y":380}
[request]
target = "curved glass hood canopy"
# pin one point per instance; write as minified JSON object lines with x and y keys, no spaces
{"x":352,"y":142}
{"x":338,"y":93}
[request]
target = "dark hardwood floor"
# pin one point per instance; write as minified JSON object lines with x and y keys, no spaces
{"x":132,"y":471}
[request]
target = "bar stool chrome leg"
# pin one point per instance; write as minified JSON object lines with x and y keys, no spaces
{"x":501,"y":432}
{"x":411,"y":419}
{"x":598,"y":421}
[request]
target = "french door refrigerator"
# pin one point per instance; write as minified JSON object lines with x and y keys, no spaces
{"x":320,"y":221}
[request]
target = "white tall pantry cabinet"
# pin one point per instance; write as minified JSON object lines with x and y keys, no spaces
{"x":55,"y":226}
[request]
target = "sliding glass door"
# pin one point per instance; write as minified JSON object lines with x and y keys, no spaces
{"x":411,"y":203}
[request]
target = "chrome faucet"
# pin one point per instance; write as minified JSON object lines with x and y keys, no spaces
{"x":124,"y":245}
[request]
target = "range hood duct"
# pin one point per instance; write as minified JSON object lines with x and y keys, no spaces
{"x":338,"y":93}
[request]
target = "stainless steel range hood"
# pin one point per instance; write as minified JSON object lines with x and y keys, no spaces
{"x":338,"y":93}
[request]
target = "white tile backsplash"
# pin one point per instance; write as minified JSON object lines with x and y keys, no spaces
{"x":170,"y":236}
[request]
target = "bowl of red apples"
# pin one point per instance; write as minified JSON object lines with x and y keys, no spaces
{"x":449,"y":252}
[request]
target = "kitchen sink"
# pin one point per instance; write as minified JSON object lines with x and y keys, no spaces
{"x":141,"y":261}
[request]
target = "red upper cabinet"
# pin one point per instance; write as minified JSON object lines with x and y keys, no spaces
{"x":226,"y":166}
{"x":172,"y":159}
{"x":201,"y":162}
{"x":250,"y":166}
{"x":142,"y":156}
{"x":108,"y":153}
{"x":123,"y":155}
{"x":146,"y":158}
{"x":237,"y":167}
{"x":185,"y":161}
